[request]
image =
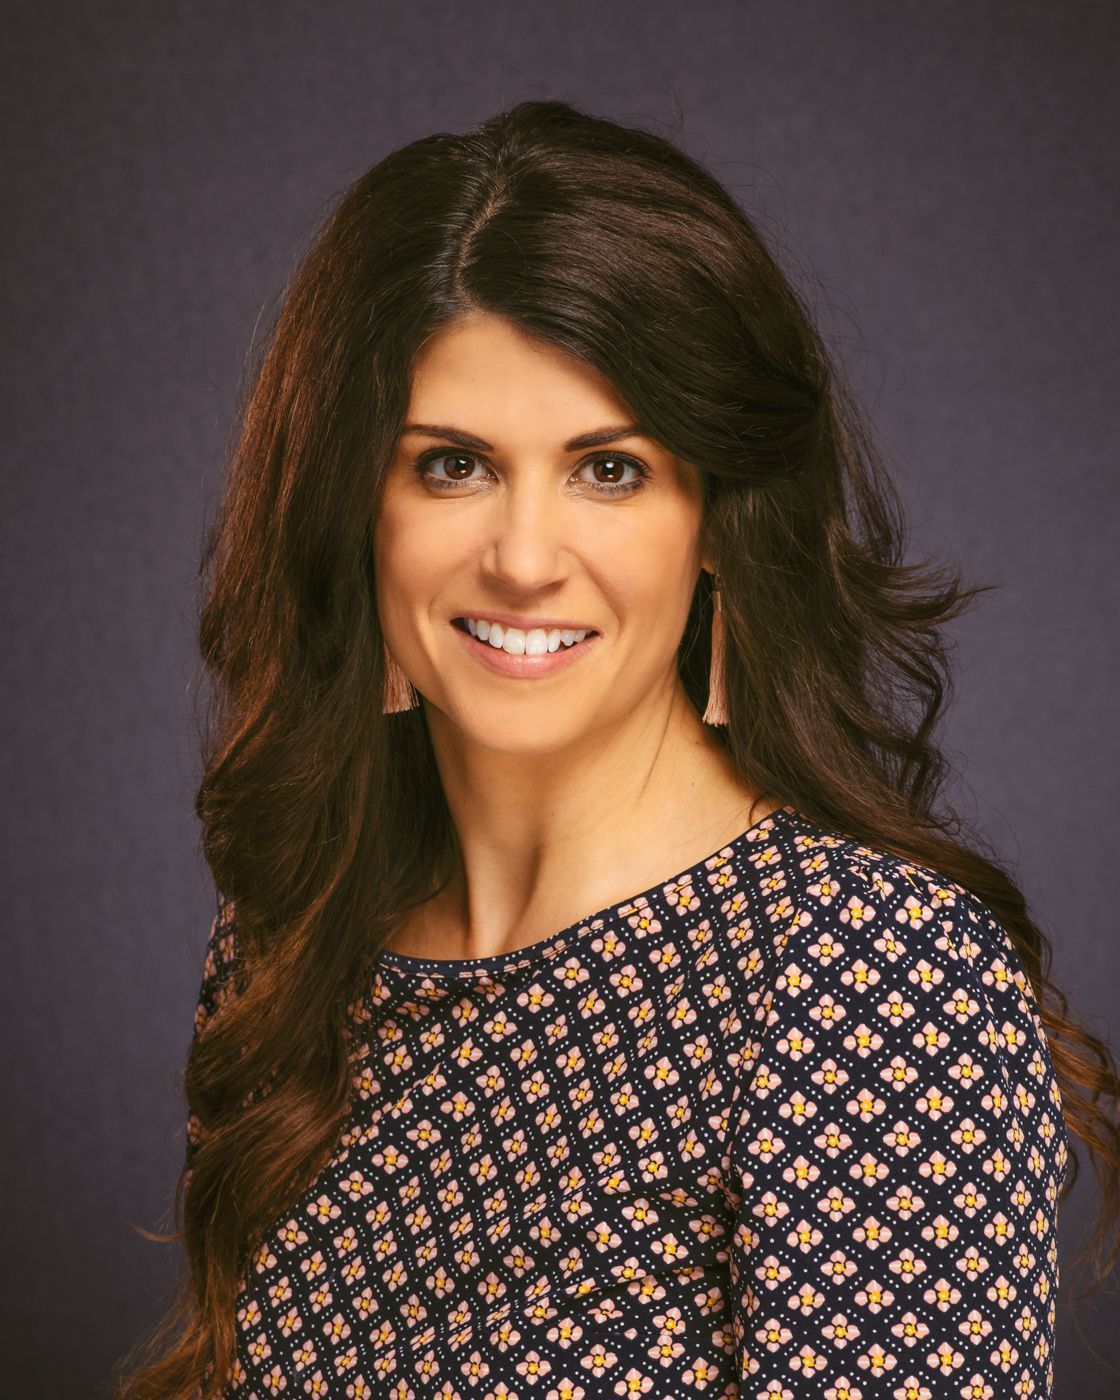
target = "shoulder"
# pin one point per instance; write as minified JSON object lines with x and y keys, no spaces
{"x":885,"y":976}
{"x":816,"y":905}
{"x":814,"y":873}
{"x":220,"y":964}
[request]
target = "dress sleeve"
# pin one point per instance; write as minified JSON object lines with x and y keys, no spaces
{"x":897,"y":1154}
{"x":218,"y":967}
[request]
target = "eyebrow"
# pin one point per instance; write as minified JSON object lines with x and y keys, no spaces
{"x":477,"y":444}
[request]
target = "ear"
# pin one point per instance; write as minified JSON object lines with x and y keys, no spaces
{"x":707,"y":552}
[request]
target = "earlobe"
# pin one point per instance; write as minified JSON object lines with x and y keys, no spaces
{"x":707,"y":553}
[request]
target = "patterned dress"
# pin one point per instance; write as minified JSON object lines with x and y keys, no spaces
{"x":784,"y":1125}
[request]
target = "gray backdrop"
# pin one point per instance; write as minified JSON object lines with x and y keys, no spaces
{"x":941,"y":177}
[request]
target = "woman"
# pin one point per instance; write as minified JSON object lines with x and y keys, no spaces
{"x":611,"y":1009}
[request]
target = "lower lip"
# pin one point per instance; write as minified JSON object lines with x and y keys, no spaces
{"x":524,"y":667}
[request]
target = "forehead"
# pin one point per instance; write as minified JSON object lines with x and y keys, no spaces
{"x":484,"y":362}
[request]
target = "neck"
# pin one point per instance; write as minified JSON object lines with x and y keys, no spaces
{"x":543,"y":839}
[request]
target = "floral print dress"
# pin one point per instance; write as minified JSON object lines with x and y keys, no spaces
{"x":784,"y":1125}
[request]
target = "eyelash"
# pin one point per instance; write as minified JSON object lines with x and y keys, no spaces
{"x":602,"y":488}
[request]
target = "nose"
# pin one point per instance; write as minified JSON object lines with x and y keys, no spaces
{"x":527,"y":536}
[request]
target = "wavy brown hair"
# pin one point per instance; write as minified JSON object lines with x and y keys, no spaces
{"x":324,"y":819}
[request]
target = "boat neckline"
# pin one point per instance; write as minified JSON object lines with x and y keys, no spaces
{"x":502,"y":964}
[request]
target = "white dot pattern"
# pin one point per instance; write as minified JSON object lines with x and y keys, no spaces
{"x":785,"y":1125}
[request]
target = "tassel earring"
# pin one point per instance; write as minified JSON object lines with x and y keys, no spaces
{"x":398,"y":692}
{"x":716,"y":712}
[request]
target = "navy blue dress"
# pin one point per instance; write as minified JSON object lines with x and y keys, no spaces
{"x":783,"y":1125}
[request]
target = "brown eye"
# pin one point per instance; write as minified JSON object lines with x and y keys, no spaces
{"x":462,"y":467}
{"x":462,"y":462}
{"x":614,"y":468}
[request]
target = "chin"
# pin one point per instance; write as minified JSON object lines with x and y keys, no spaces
{"x":530,"y":740}
{"x":520,"y":730}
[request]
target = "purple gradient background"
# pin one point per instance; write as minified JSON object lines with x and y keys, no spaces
{"x":942,"y":180}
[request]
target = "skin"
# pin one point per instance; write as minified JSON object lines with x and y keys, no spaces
{"x":570,"y":792}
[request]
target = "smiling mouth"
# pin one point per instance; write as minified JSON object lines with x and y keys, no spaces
{"x":536,"y":641}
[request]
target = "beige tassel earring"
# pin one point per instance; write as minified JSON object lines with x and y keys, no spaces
{"x":398,"y":692}
{"x":716,"y":713}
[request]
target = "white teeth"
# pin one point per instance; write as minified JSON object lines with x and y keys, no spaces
{"x":536,"y":642}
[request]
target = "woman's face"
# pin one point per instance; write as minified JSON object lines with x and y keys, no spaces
{"x":505,"y":519}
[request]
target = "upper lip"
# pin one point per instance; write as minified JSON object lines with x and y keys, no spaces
{"x":526,"y":624}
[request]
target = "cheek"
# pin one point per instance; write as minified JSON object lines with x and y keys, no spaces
{"x":396,"y":564}
{"x":411,"y":554}
{"x":666,"y":550}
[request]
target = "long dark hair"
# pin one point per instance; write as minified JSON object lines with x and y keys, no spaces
{"x":324,"y":819}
